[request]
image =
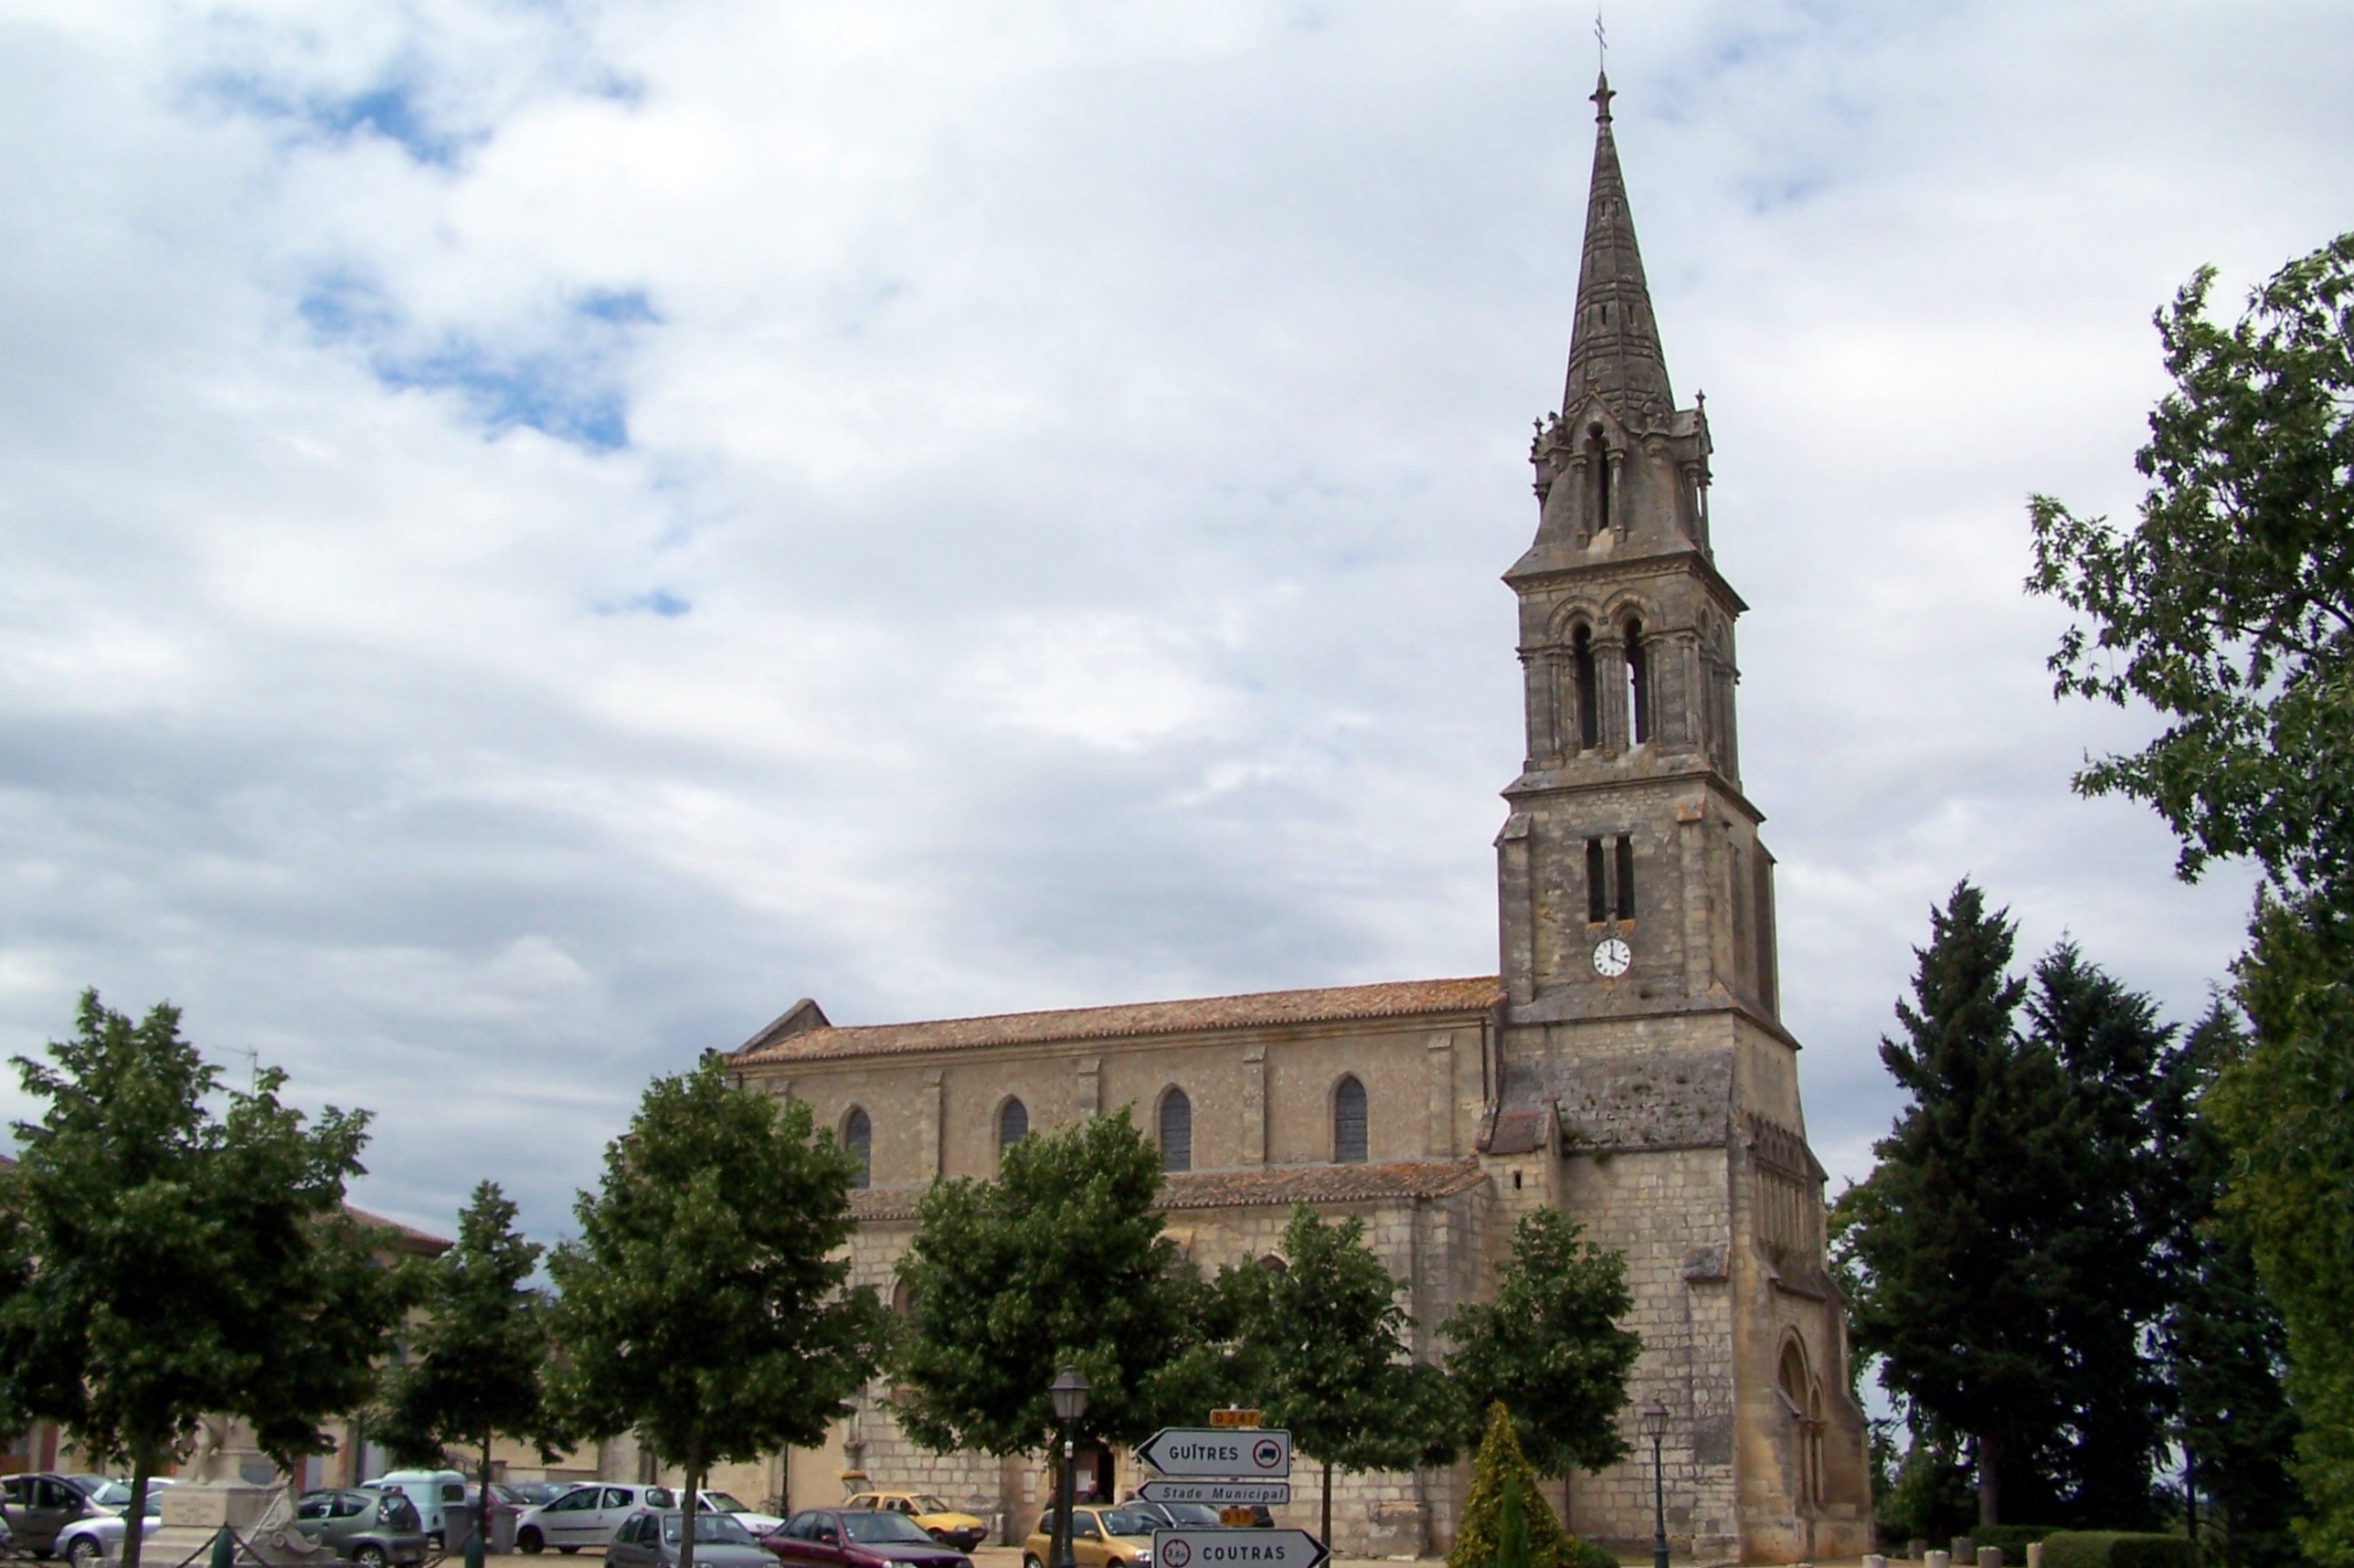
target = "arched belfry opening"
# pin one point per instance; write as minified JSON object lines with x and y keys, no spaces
{"x":1638,"y":684}
{"x":1589,"y":705}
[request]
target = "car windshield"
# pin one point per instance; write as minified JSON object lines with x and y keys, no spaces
{"x":718,"y":1528}
{"x":723,"y":1503}
{"x":926,"y":1503}
{"x":111,"y":1494}
{"x":1128,"y":1522}
{"x":882,"y":1527}
{"x":1193,"y":1513}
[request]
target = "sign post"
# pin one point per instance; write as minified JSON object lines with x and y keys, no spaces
{"x":1237,"y":1464}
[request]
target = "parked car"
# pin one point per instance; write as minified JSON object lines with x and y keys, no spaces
{"x":1180,"y":1516}
{"x":436,"y":1493}
{"x":756,"y":1524}
{"x":1100,"y":1538}
{"x":531,"y":1494}
{"x":859,"y":1538}
{"x":942,"y":1523}
{"x":588,"y":1515}
{"x":97,"y":1536}
{"x":650,"y":1539}
{"x":116,"y":1495}
{"x":40,"y":1505}
{"x":367,"y":1525}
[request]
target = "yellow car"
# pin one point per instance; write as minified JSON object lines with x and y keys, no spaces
{"x":941,"y":1522}
{"x":1100,"y":1538}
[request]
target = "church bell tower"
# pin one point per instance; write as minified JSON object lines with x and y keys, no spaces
{"x":1632,"y":879}
{"x":1644,"y":1078}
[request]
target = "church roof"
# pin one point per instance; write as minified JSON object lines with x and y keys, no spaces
{"x":1614,"y":344}
{"x":819,"y":1041}
{"x":1256,"y":1186}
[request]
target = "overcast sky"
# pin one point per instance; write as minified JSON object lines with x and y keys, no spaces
{"x":533,"y":535}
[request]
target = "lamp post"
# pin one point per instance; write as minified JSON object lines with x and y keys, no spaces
{"x":1655,"y":1427}
{"x":1069,"y":1393}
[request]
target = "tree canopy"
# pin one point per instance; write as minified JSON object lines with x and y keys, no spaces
{"x":1059,"y":1261}
{"x":1548,"y":1347}
{"x":2229,"y":608}
{"x":1334,"y":1345}
{"x":164,"y":1262}
{"x":706,"y":1303}
{"x":477,"y":1356}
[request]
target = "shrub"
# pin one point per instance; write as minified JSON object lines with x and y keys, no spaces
{"x":1504,"y":1494}
{"x":2116,"y":1549}
{"x":2014,"y":1539}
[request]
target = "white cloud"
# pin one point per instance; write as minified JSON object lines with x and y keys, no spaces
{"x":536,"y":534}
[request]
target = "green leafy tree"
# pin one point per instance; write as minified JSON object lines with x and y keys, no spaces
{"x":1503,"y":1484}
{"x":706,"y":1302}
{"x":477,"y":1358}
{"x":1059,"y":1261}
{"x":1332,"y":1341}
{"x":1549,"y":1349}
{"x":1958,"y":1289}
{"x":2225,"y":1345}
{"x":2286,"y":1108}
{"x":164,"y":1262}
{"x":2229,"y":609}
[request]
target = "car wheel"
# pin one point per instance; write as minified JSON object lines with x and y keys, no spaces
{"x":370,"y":1555}
{"x":530,"y":1542}
{"x":1030,"y":1562}
{"x":83,"y":1552}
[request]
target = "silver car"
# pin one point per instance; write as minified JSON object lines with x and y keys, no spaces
{"x":588,"y":1515}
{"x":650,"y":1540}
{"x":99,"y":1536}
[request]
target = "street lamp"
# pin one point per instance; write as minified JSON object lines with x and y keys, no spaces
{"x":1069,"y":1393}
{"x":1655,"y":1427}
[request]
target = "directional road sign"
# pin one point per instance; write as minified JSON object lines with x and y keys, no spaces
{"x":1236,"y":1549}
{"x":1217,"y":1494}
{"x":1205,"y":1452}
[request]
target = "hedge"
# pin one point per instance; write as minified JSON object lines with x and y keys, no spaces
{"x":2116,"y":1549}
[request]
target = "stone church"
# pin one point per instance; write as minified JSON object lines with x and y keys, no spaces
{"x":1628,"y":1065}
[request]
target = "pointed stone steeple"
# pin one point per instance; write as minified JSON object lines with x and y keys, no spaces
{"x":1614,"y":345}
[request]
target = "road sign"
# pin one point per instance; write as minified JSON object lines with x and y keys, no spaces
{"x":1231,"y":1416}
{"x":1236,"y":1549}
{"x":1259,"y":1454}
{"x":1217,"y":1494}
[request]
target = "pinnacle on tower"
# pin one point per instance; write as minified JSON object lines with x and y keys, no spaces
{"x":1614,"y":345}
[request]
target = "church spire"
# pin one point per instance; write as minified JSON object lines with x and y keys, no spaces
{"x":1614,"y":346}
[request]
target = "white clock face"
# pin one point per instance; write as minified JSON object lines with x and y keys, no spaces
{"x":1612,"y":956}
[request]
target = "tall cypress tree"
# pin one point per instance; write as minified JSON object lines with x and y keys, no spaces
{"x":1959,"y":1293}
{"x":2112,"y":1234}
{"x":2224,"y":1344}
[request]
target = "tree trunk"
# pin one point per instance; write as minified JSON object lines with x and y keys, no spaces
{"x":1989,"y":1454}
{"x":483,"y":1497}
{"x":1328,"y":1505}
{"x":135,"y":1519}
{"x":687,"y":1501}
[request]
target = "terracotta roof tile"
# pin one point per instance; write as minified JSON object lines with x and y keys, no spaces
{"x":1251,"y":1187}
{"x":405,"y":1238}
{"x":1328,"y":1004}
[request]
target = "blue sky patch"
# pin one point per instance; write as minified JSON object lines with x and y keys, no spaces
{"x":660,"y":601}
{"x":549,"y":396}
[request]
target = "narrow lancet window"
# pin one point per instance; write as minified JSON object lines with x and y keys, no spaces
{"x":1176,"y":1131}
{"x":858,"y":1137}
{"x":1625,"y":878}
{"x":1349,"y":1122}
{"x":1638,"y":686}
{"x":1597,"y":886}
{"x":1012,"y":1124}
{"x":1589,"y":709}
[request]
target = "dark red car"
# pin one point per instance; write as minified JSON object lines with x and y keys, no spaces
{"x":859,"y":1538}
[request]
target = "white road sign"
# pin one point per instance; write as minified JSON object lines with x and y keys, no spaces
{"x":1222,"y":1455}
{"x":1236,"y":1549}
{"x":1276,"y":1494}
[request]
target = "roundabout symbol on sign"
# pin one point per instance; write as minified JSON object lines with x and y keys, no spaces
{"x":1267,"y":1454}
{"x":1176,"y":1554}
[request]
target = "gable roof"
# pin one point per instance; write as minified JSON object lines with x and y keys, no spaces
{"x":1254,"y":1186}
{"x":817,"y":1040}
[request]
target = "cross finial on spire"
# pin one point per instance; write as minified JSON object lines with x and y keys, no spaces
{"x":1601,"y":44}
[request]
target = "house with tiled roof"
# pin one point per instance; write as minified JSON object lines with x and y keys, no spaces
{"x":1626,"y":1064}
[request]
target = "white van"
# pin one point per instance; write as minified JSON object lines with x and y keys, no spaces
{"x":437,"y":1494}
